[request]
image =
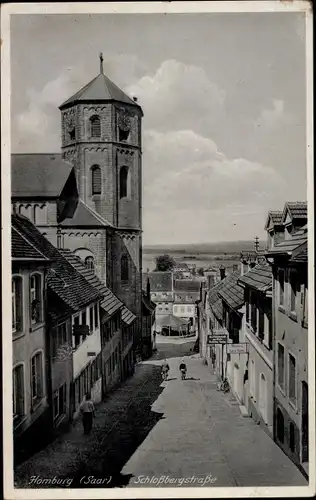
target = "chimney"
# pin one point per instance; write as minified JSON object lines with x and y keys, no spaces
{"x":148,"y":288}
{"x":135,"y":99}
{"x":222,"y":271}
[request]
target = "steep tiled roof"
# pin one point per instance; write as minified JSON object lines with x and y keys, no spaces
{"x":159,"y":281}
{"x":110,"y":303}
{"x":63,"y":279}
{"x":23,"y":249}
{"x":101,"y":88}
{"x":147,"y":302}
{"x":86,"y":217}
{"x":187,"y":286}
{"x":275,"y":216}
{"x":259,"y":277}
{"x":300,"y":254}
{"x":231,"y":292}
{"x":215,"y":300}
{"x":296,"y":209}
{"x":42,"y":175}
{"x":287,"y":246}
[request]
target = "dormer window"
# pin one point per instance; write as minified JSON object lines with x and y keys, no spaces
{"x":95,"y":126}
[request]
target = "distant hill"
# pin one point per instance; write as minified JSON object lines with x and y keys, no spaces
{"x":228,"y":247}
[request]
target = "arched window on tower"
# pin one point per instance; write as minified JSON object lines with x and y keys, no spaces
{"x":124,"y":182}
{"x":89,"y":262}
{"x":95,"y":126}
{"x":96,"y":179}
{"x":124,"y":268}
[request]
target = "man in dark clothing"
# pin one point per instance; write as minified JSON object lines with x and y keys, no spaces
{"x":183,"y":369}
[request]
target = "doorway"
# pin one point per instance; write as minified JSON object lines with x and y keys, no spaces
{"x":304,"y":422}
{"x":280,"y":426}
{"x":263,"y":397}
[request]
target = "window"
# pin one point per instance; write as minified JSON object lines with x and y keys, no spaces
{"x":253,"y":313}
{"x":252,"y":380}
{"x":17,"y":304}
{"x":95,"y":126}
{"x":261,"y":323}
{"x":59,"y":338}
{"x":96,"y":179}
{"x":36,"y":298}
{"x":59,"y":402}
{"x":18,"y":391}
{"x":292,"y":437}
{"x":89,"y":262}
{"x":293,"y":285}
{"x":175,"y":309}
{"x":84,"y":322}
{"x":91,"y":318}
{"x":292,"y":379}
{"x":281,"y":365}
{"x":182,"y":309}
{"x":96,"y":316}
{"x":37,"y":377}
{"x":281,"y":287}
{"x":124,"y":268}
{"x":305,"y":306}
{"x":124,"y":182}
{"x":247,"y":304}
{"x":72,"y":134}
{"x":123,"y":134}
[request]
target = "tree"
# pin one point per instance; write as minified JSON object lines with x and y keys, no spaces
{"x":164,"y":263}
{"x":200,"y":271}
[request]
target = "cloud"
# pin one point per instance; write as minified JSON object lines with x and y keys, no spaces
{"x":191,"y":186}
{"x":178,"y":95}
{"x":275,"y":117}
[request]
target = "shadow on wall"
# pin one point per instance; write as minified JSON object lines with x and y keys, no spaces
{"x":118,"y":443}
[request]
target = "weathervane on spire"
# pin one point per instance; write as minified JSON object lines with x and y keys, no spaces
{"x":101,"y":62}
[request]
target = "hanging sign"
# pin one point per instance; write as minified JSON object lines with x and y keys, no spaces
{"x":237,"y":348}
{"x":217,"y":339}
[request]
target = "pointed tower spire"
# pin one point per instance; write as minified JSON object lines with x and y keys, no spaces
{"x":101,"y":63}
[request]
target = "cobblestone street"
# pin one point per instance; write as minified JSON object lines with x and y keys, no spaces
{"x":176,"y":428}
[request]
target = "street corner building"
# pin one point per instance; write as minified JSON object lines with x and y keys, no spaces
{"x":253,"y":330}
{"x":77,"y":298}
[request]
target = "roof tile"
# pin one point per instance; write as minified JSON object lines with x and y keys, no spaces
{"x":259,"y":277}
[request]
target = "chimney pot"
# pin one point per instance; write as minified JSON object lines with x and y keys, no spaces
{"x":135,"y":99}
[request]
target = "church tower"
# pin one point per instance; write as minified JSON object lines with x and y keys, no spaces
{"x":101,"y":136}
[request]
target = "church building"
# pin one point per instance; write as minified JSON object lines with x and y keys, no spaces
{"x":88,"y":199}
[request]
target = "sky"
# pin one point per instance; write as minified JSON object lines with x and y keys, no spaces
{"x":223,"y":97}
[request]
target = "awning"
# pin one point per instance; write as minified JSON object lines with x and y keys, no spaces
{"x":169,"y":320}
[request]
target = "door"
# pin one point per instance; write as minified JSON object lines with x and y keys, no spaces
{"x":304,"y":422}
{"x":263,"y":397}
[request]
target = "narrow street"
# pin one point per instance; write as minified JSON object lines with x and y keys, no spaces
{"x":176,"y":428}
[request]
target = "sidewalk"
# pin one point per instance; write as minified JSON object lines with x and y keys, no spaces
{"x":65,"y":456}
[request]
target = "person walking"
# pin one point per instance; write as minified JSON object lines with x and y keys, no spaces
{"x":165,"y":370}
{"x":183,"y":369}
{"x":87,"y":412}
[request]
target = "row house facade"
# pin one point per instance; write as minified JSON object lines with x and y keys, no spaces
{"x":257,"y":330}
{"x":290,"y":307}
{"x":67,"y":294}
{"x":186,"y":296}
